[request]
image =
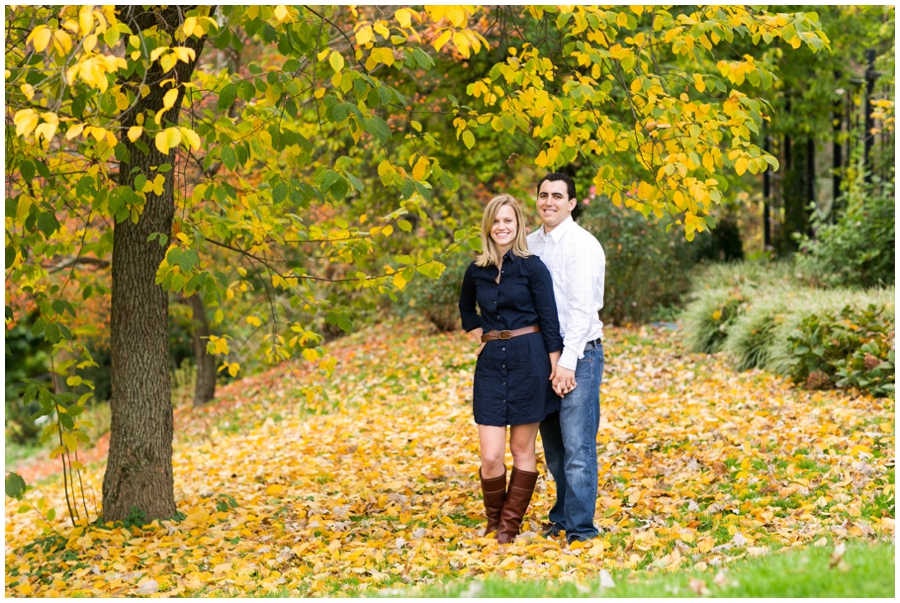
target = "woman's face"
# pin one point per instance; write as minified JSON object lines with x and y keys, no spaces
{"x":503,"y":231}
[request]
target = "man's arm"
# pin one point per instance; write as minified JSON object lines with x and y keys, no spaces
{"x":581,"y":271}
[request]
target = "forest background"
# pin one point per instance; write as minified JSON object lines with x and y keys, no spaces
{"x":262,"y":180}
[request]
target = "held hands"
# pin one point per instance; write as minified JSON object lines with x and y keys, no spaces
{"x":563,"y":379}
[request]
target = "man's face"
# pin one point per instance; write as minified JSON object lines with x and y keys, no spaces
{"x":553,"y":204}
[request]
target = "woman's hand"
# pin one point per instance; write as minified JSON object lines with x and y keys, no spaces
{"x":554,"y":358}
{"x":476,"y":335}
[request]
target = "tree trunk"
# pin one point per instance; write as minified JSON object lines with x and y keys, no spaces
{"x":205,"y":389}
{"x":139,"y":468}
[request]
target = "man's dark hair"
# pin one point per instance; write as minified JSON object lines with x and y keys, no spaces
{"x":555,"y":177}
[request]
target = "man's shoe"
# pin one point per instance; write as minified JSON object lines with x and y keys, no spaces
{"x":578,"y":538}
{"x":550,"y":530}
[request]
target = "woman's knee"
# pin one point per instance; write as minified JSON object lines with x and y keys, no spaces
{"x":492,"y":458}
{"x":522,"y":451}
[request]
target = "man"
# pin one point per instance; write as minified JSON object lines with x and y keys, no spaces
{"x":578,"y":266}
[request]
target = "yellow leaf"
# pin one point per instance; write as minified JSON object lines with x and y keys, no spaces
{"x":281,"y":12}
{"x":86,"y":19}
{"x":421,"y":168}
{"x":387,"y":230}
{"x":189,"y":24}
{"x":637,"y":9}
{"x":89,"y":43}
{"x":185,"y":54}
{"x":398,"y":280}
{"x":233,"y":369}
{"x":336,"y":61}
{"x":442,"y":39}
{"x":191,"y":137}
{"x":253,"y":320}
{"x":40,"y":38}
{"x":364,"y":35}
{"x":404,"y":17}
{"x":699,"y":84}
{"x":157,"y":52}
{"x":462,"y":44}
{"x":740,"y":166}
{"x":275,"y":490}
{"x":134,"y":132}
{"x":169,"y":99}
{"x":168,"y":138}
{"x":62,"y":42}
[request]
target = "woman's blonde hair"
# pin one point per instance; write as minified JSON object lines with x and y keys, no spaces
{"x":490,"y":255}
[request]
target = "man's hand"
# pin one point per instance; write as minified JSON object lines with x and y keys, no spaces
{"x":563,"y":380}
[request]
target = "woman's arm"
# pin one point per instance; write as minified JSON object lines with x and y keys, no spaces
{"x":471,"y":321}
{"x":545,"y":304}
{"x":467,"y":312}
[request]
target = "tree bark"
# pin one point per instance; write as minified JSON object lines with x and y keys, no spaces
{"x":205,"y":390}
{"x":139,"y":467}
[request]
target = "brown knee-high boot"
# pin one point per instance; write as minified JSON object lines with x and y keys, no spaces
{"x":494,"y":491}
{"x":521,"y":487}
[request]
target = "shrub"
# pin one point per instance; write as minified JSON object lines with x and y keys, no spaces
{"x":708,"y":318}
{"x":858,"y":249}
{"x":437,"y":299}
{"x":752,"y":333}
{"x":646,"y":267}
{"x":850,"y":348}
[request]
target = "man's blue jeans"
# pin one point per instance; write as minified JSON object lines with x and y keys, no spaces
{"x":570,"y":448}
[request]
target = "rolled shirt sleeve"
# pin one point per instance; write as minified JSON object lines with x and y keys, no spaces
{"x":467,"y":312}
{"x":545,"y":304}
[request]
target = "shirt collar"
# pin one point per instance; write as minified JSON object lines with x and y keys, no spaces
{"x":557,"y":233}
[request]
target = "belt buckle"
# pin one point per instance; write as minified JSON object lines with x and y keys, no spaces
{"x":505,"y":334}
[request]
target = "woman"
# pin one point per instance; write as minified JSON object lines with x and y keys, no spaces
{"x":520,"y":344}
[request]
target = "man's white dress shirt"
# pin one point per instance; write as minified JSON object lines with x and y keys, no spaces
{"x":577,"y":264}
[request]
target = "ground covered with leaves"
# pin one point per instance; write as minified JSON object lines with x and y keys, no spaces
{"x":366,"y":481}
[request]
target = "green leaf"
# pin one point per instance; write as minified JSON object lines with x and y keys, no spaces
{"x":47,"y":223}
{"x":67,"y":421}
{"x":340,"y":112}
{"x":378,"y":128}
{"x":15,"y":486}
{"x":10,"y":255}
{"x":229,"y":160}
{"x":468,"y":139}
{"x":404,"y":225}
{"x":280,"y":192}
{"x":27,"y":170}
{"x":226,"y":97}
{"x":424,"y":61}
{"x":52,"y":332}
{"x":188,"y":260}
{"x":354,"y":182}
{"x":246,"y":90}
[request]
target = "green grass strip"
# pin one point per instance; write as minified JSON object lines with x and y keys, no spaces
{"x":866,"y":569}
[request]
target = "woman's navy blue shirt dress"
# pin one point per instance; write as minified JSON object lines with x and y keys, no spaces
{"x":512,"y":376}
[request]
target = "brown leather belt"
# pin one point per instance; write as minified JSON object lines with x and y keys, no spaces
{"x":493,"y":335}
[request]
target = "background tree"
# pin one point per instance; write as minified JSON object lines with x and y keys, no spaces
{"x":121,"y":115}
